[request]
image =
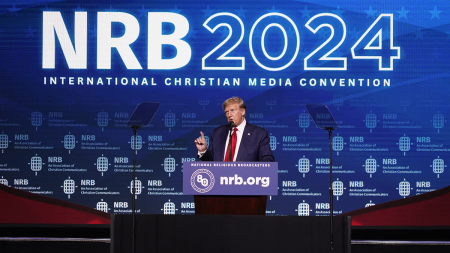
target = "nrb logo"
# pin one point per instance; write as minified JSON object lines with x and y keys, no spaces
{"x":202,"y":180}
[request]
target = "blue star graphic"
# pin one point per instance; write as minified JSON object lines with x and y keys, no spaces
{"x":46,"y":8}
{"x":224,"y":31}
{"x":78,"y":9}
{"x":338,"y":11}
{"x":341,"y":51}
{"x":208,"y":12}
{"x":323,"y":33}
{"x":419,"y":34}
{"x":13,"y":10}
{"x":92,"y":32}
{"x":435,"y":13}
{"x":370,"y":12}
{"x":111,"y":9}
{"x":143,"y":11}
{"x":257,"y":33}
{"x":192,"y":34}
{"x":241,"y":12}
{"x":305,"y":12}
{"x":385,"y":34}
{"x":290,"y":33}
{"x":176,"y":10}
{"x":304,"y":52}
{"x":30,"y":31}
{"x":436,"y":54}
{"x":354,"y":34}
{"x":273,"y":9}
{"x":402,"y":13}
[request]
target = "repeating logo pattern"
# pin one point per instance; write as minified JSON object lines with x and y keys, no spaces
{"x":69,"y":187}
{"x":36,"y":164}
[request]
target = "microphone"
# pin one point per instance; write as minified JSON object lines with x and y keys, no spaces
{"x":231,"y":125}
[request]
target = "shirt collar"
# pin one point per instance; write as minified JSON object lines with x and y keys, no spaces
{"x":242,"y":126}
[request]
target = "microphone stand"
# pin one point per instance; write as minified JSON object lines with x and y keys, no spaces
{"x":323,"y":119}
{"x":329,"y":129}
{"x":133,"y":213}
{"x":141,"y":117}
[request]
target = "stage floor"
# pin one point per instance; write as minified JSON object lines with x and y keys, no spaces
{"x":102,"y":245}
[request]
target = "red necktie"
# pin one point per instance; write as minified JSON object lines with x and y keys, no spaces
{"x":233,"y":146}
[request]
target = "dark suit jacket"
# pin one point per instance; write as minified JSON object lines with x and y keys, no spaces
{"x":255,"y":145}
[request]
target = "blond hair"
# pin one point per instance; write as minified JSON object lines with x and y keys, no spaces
{"x":234,"y":100}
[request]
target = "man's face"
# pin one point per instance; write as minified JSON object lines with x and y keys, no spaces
{"x":234,"y":113}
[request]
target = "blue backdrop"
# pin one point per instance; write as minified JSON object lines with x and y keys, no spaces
{"x":72,"y":73}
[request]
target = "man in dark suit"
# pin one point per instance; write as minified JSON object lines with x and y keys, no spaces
{"x":252,"y":143}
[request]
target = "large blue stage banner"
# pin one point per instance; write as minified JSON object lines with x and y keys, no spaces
{"x":72,"y":72}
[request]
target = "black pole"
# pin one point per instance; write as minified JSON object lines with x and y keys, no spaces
{"x":133,"y":205}
{"x":231,"y":126}
{"x":229,"y":147}
{"x":331,"y":189}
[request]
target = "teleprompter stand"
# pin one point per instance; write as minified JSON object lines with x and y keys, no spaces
{"x":141,"y":117}
{"x":323,"y":119}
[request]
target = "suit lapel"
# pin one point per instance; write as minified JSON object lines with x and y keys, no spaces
{"x":223,"y":140}
{"x":244,"y":142}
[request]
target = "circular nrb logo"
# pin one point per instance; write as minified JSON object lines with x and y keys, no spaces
{"x":202,"y":180}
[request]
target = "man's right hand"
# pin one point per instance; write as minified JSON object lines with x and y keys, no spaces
{"x":200,"y":143}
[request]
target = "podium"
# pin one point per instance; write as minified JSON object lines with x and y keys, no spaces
{"x":237,"y":188}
